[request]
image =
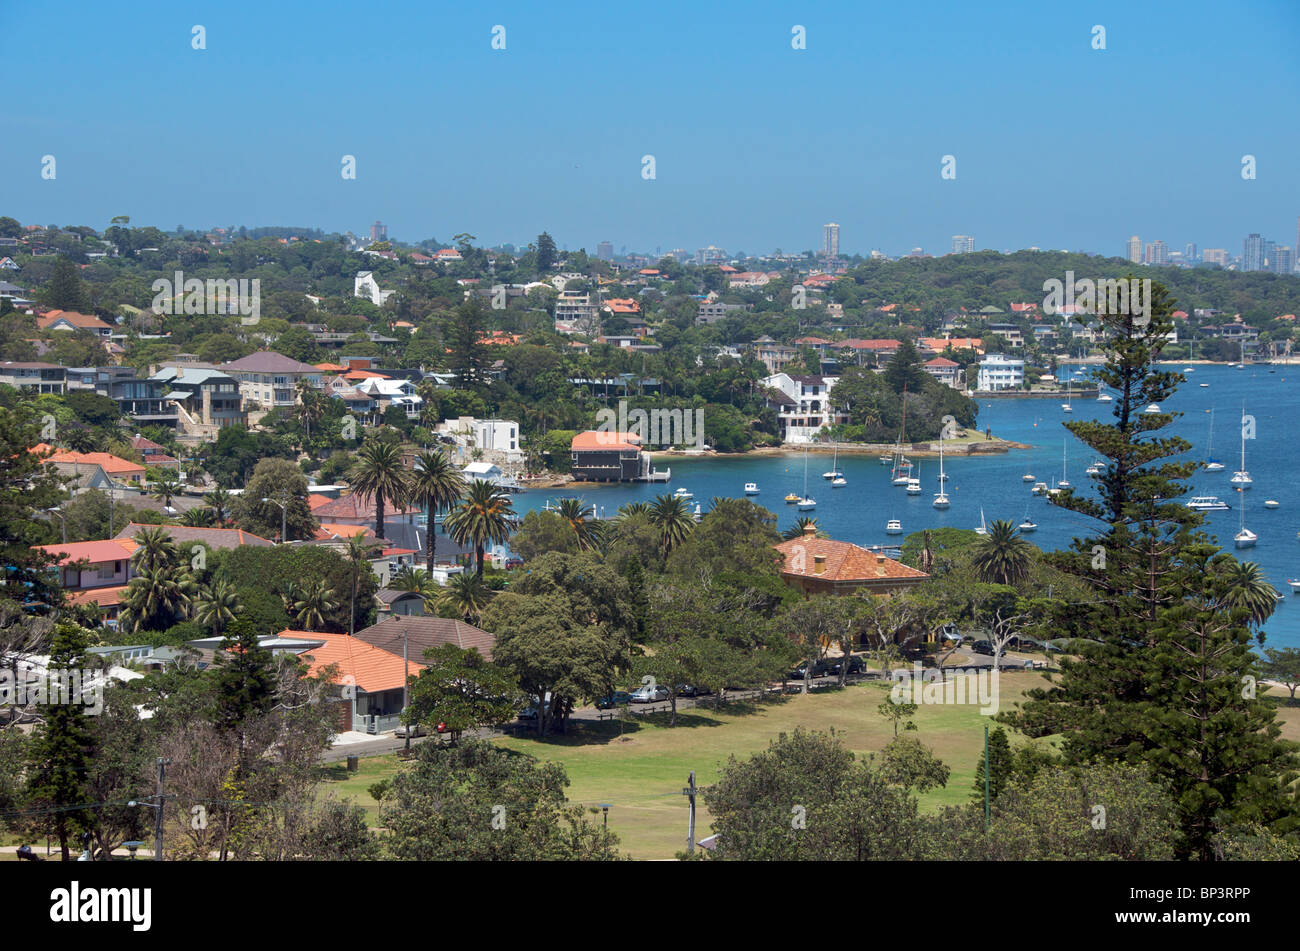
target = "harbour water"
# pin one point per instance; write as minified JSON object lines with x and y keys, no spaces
{"x":859,"y":511}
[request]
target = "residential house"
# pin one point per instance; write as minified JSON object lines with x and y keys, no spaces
{"x":95,"y":572}
{"x":206,"y":399}
{"x":374,"y":679}
{"x":807,"y":407}
{"x":1000,"y":372}
{"x":366,"y":286}
{"x":600,"y":456}
{"x":824,"y":566}
{"x":418,"y":634}
{"x":945,"y":371}
{"x":490,"y":435}
{"x":712,"y":311}
{"x":70,"y":320}
{"x":218,"y":539}
{"x":144,"y":400}
{"x":72,"y":463}
{"x":271,"y":379}
{"x":154,"y":454}
{"x":34,"y":377}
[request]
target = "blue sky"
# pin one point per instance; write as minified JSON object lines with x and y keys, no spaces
{"x":756,"y":145}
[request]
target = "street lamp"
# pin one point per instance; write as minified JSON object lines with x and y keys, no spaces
{"x":604,"y":806}
{"x":283,"y":502}
{"x":62,"y":520}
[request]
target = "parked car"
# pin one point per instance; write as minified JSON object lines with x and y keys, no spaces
{"x":514,"y":561}
{"x":856,"y":665}
{"x":819,"y":669}
{"x":690,"y":690}
{"x":983,"y":647}
{"x":414,"y":729}
{"x":530,"y":712}
{"x":650,"y":693}
{"x":616,"y":699}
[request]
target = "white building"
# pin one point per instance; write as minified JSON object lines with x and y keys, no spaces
{"x":1000,"y":372}
{"x":366,"y":286}
{"x":804,"y":405}
{"x":399,"y":393}
{"x":490,"y":435}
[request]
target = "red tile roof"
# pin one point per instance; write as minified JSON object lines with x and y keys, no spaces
{"x":369,"y":668}
{"x":80,"y":321}
{"x":845,"y":562}
{"x":356,"y":505}
{"x":105,"y":460}
{"x":596,"y":439}
{"x":93,"y":552}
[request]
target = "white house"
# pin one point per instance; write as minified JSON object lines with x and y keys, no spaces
{"x":1000,"y":372}
{"x":804,"y":405}
{"x":366,"y":286}
{"x":400,"y":393}
{"x":490,"y":435}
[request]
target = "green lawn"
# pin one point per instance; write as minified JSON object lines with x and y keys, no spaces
{"x":641,"y":774}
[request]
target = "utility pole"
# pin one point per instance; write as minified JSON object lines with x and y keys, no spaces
{"x":406,"y":677}
{"x":986,"y":778}
{"x":158,"y":815}
{"x":689,"y":792}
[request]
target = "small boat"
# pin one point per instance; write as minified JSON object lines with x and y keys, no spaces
{"x":1097,"y":468}
{"x":885,"y":460}
{"x":1152,"y":409}
{"x":1188,"y":370}
{"x":791,"y":498}
{"x":893,"y":527}
{"x":1241,"y":478}
{"x":1063,"y":483}
{"x":940,"y":501}
{"x":1205,"y":386}
{"x":1027,"y":526}
{"x":806,"y":503}
{"x":1244,"y":538}
{"x":1207,"y":503}
{"x":697,"y":514}
{"x":1271,"y":503}
{"x":1295,"y":585}
{"x":681,"y":493}
{"x":1066,"y":407}
{"x":835,"y":467}
{"x":751,"y":488}
{"x":1040,"y":488}
{"x":913,"y":486}
{"x":1214,"y":465}
{"x":1105,"y":398}
{"x":983,"y":529}
{"x":1211,"y":464}
{"x":839,"y":482}
{"x":1027,"y":477}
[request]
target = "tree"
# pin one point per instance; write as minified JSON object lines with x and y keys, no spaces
{"x":1161,"y":655}
{"x":671,"y":516}
{"x":27,"y":488}
{"x":817,"y":623}
{"x":437,"y":485}
{"x":217,"y":605}
{"x":800,"y":528}
{"x":464,"y":337}
{"x":482,"y":519}
{"x":221,"y":504}
{"x":64,"y":290}
{"x":1002,"y":556}
{"x":898,"y":713}
{"x":998,"y":766}
{"x":907,"y":762}
{"x":245,"y":678}
{"x":464,"y":596}
{"x":378,"y":474}
{"x":461,"y":690}
{"x":806,"y":798}
{"x":545,"y":252}
{"x":1282,"y":665}
{"x":61,"y":750}
{"x":283,"y":482}
{"x":904,"y":370}
{"x":478,"y":802}
{"x":540,"y":532}
{"x":581,"y":522}
{"x":358,"y":554}
{"x":314,"y":601}
{"x":166,"y":489}
{"x":1247,"y":589}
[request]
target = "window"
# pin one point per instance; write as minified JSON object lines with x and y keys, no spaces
{"x":107,"y":571}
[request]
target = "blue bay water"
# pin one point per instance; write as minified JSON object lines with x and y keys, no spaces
{"x":858,"y":512}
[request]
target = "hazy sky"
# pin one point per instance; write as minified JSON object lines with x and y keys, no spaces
{"x":756,"y":145}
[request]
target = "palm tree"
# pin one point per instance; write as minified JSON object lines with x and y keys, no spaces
{"x":1246,"y":587}
{"x":437,"y":485}
{"x":217,"y":604}
{"x":378,"y":474}
{"x":310,"y":406}
{"x":157,"y":597}
{"x":800,"y":525}
{"x":315,"y":601}
{"x":197,"y":518}
{"x":633,"y":509}
{"x":166,"y":489}
{"x":580,"y":518}
{"x":289,"y":592}
{"x":154,"y":549}
{"x":1002,"y":556}
{"x":221,"y":504}
{"x":466,"y":594}
{"x":482,"y":519}
{"x":674,"y":520}
{"x":357,"y":553}
{"x":409,"y":579}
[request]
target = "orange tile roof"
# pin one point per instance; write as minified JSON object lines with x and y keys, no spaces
{"x":94,"y":552}
{"x":315,"y":501}
{"x":365,"y":375}
{"x":105,"y":460}
{"x":596,"y":439}
{"x":330,"y":367}
{"x":80,"y":321}
{"x":370,"y":668}
{"x":104,"y":597}
{"x":844,"y":561}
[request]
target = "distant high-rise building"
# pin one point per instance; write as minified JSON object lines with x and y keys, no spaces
{"x":378,"y":232}
{"x":1252,"y":253}
{"x":1217,"y":256}
{"x":962,"y":244}
{"x":605,"y":251}
{"x":1189,"y":252}
{"x":1282,"y":260}
{"x":1269,"y":246}
{"x":831,"y":240}
{"x":710,"y":255}
{"x":1156,"y":253}
{"x":1134,"y":251}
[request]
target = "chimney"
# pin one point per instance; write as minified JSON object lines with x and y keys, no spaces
{"x":819,"y":564}
{"x":880,"y":565}
{"x":810,"y":531}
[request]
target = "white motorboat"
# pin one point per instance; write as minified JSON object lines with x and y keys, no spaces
{"x":839,"y":482}
{"x":893,"y":527}
{"x":1040,"y":488}
{"x":1295,"y":585}
{"x":751,"y":488}
{"x":1097,"y":468}
{"x":1027,"y":526}
{"x":1105,"y":398}
{"x":1027,"y":477}
{"x":1208,"y":503}
{"x":681,"y":493}
{"x":1205,"y":386}
{"x":1244,"y":538}
{"x":1271,"y":503}
{"x":1152,"y":409}
{"x":913,"y":486}
{"x":807,"y":502}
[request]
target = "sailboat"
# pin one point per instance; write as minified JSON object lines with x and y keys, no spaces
{"x":1064,"y":483}
{"x":1241,"y":478}
{"x":902,"y":472}
{"x":914,"y":484}
{"x":1028,"y":525}
{"x":940,"y":497}
{"x":1244,"y":538}
{"x":1211,"y":464}
{"x":807,"y":502}
{"x":1066,"y":407}
{"x":835,"y":467}
{"x":983,"y":529}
